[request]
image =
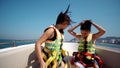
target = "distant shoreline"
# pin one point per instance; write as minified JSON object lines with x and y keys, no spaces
{"x":109,"y":49}
{"x":109,"y":43}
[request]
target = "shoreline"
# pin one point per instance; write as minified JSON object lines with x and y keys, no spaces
{"x":108,"y":48}
{"x":109,"y":43}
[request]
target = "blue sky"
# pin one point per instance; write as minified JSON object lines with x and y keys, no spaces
{"x":27,"y":19}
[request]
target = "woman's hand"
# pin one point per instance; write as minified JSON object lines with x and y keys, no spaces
{"x":85,"y":21}
{"x":82,"y":22}
{"x":42,"y":64}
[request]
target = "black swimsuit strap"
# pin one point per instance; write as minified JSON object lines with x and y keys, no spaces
{"x":55,"y":34}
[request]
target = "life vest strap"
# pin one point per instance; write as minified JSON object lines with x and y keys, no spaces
{"x":80,"y":54}
{"x":48,"y":51}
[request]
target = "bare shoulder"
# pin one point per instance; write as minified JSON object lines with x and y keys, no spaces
{"x":49,"y":31}
{"x":46,"y":35}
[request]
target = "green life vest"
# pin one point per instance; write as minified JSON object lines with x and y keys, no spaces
{"x":56,"y":44}
{"x":90,"y":45}
{"x":52,"y":48}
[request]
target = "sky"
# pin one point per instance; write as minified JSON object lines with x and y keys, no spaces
{"x":27,"y":19}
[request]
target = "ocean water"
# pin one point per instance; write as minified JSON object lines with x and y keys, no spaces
{"x":113,"y":46}
{"x":11,"y":43}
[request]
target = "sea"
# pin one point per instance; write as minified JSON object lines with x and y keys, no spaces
{"x":13,"y":43}
{"x":111,"y":46}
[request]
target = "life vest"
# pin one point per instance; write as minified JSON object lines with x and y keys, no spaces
{"x":79,"y":57}
{"x":54,"y":45}
{"x":87,"y":52}
{"x":90,"y":45}
{"x":52,"y":48}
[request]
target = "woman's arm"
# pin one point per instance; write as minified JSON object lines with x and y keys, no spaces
{"x":71,"y":30}
{"x":42,"y":39}
{"x":100,"y":32}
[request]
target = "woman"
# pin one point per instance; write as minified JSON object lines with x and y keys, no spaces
{"x":86,"y":43}
{"x":50,"y":56}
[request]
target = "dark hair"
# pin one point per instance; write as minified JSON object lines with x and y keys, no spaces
{"x":62,"y":17}
{"x":86,"y":25}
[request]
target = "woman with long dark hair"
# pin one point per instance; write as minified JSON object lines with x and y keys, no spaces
{"x":86,"y":41}
{"x":50,"y":56}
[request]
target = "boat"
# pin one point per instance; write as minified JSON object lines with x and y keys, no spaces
{"x":24,"y":56}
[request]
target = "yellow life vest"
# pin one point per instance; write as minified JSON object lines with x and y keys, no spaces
{"x":53,"y":49}
{"x":90,"y":45}
{"x":56,"y":44}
